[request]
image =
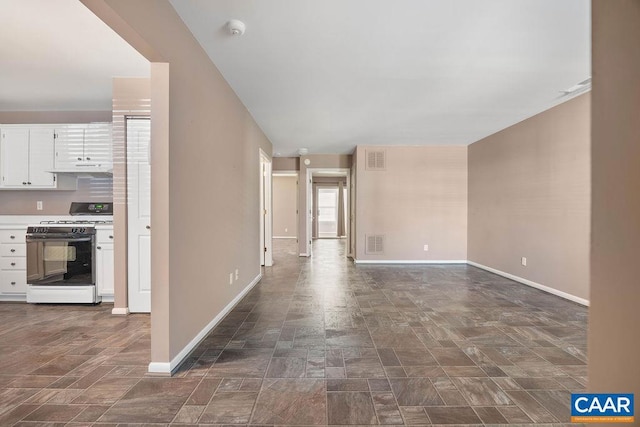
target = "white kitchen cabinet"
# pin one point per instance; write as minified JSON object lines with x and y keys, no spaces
{"x":13,"y":261}
{"x":104,"y":262}
{"x":27,"y":158}
{"x":83,"y":148}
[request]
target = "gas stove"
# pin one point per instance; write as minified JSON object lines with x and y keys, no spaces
{"x":61,"y":256}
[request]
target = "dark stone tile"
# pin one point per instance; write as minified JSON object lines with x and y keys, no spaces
{"x":452,"y":415}
{"x":481,"y":391}
{"x":537,"y":383}
{"x":379,"y":385}
{"x":239,"y":363}
{"x":558,"y":402}
{"x":203,"y":392}
{"x":59,"y":413}
{"x":347,"y":385}
{"x":415,"y":357}
{"x":286,"y":367}
{"x":531,"y":407}
{"x":414,"y":415}
{"x":280,"y":401}
{"x":451,"y":357}
{"x":229,"y":408}
{"x":415,"y":392}
{"x":361,"y":367}
{"x":388,"y":357}
{"x":490,"y":415}
{"x":151,"y":400}
{"x":352,"y":407}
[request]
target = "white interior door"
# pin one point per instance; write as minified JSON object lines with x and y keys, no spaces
{"x":139,"y":213}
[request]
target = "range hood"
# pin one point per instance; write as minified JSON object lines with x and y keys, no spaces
{"x":80,"y":173}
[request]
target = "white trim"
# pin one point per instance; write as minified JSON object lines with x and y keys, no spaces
{"x":410,"y":261}
{"x":285,"y":237}
{"x":107,"y":298}
{"x":527,"y":282}
{"x":304,"y":254}
{"x":291,"y":173}
{"x":120,"y":311}
{"x":168,"y":368}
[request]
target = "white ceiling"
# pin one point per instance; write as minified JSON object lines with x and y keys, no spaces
{"x":330,"y":74}
{"x":57,"y":55}
{"x":325,"y":74}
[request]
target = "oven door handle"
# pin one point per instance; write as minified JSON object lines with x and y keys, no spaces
{"x":51,"y":238}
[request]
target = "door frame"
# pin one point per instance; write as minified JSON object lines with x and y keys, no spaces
{"x":308,"y":208}
{"x":266,"y":207}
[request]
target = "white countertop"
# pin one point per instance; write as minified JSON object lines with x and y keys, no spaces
{"x":8,"y":222}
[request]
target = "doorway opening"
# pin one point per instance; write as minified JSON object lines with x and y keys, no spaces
{"x":266,"y":205}
{"x":328,"y":197}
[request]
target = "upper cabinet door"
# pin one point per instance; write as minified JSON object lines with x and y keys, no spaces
{"x":69,"y":146}
{"x":41,"y":152}
{"x":98,"y":145}
{"x":15,"y":157}
{"x":83,"y":147}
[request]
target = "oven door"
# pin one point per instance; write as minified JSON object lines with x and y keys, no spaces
{"x":59,"y":260}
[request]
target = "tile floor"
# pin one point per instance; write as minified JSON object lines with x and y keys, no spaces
{"x":317,"y":342}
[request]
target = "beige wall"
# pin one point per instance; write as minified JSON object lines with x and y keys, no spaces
{"x":529,"y":197}
{"x":205,"y":176}
{"x":614,"y":336}
{"x":421,"y":198}
{"x":285,"y":203}
{"x":54,"y":202}
{"x":329,"y":161}
{"x":286,"y":164}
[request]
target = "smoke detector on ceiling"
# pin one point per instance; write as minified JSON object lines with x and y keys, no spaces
{"x":236,"y":27}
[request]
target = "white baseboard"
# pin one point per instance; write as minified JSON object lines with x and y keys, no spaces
{"x":304,"y":254}
{"x":527,"y":282}
{"x":284,"y":237}
{"x":120,"y":311}
{"x":169,"y":368}
{"x":107,"y":298}
{"x":409,"y":261}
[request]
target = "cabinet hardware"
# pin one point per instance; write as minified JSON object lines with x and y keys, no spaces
{"x":12,"y":237}
{"x":29,"y":183}
{"x":13,"y":250}
{"x":111,"y":237}
{"x":148,"y":227}
{"x":13,"y":283}
{"x":13,"y":264}
{"x":79,"y":158}
{"x":88,"y":158}
{"x":24,"y":183}
{"x":98,"y":247}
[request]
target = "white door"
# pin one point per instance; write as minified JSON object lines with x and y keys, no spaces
{"x":327,"y":212}
{"x":139,"y":213}
{"x":15,"y":157}
{"x":41,"y":155}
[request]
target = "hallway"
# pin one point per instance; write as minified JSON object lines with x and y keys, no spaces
{"x":318,"y":341}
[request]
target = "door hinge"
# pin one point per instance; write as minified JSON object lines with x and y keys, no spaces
{"x":265,"y":249}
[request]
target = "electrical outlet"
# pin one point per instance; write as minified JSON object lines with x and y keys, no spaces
{"x":426,"y":248}
{"x":237,"y":274}
{"x":523,"y":261}
{"x":39,"y":205}
{"x":231,"y":278}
